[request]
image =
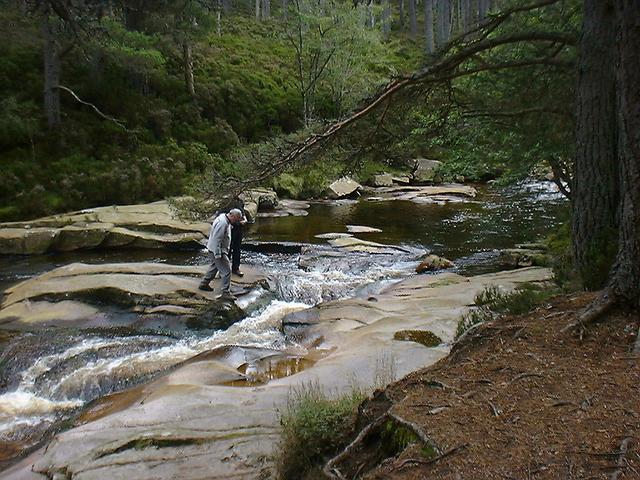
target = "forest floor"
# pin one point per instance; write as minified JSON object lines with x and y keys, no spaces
{"x":520,"y":399}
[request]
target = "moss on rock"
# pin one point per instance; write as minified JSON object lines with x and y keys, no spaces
{"x":423,"y":337}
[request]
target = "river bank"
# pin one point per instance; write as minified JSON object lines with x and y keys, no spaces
{"x":518,"y":398}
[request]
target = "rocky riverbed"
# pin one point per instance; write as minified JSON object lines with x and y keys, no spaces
{"x":189,"y":424}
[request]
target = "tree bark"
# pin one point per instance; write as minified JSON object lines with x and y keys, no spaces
{"x":429,"y":43}
{"x":413,"y":21}
{"x":401,"y":13}
{"x":266,"y":8}
{"x":595,"y":187}
{"x":188,"y":68}
{"x":51,"y":75}
{"x":386,"y":20}
{"x":258,"y":8}
{"x":625,"y":278}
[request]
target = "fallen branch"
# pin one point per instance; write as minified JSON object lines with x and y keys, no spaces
{"x":419,"y":461}
{"x":96,"y":109}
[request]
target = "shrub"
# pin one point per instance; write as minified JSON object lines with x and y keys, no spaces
{"x":493,"y":302}
{"x":314,"y":427}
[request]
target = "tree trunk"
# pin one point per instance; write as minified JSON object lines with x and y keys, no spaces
{"x":413,"y":21}
{"x":429,"y":43}
{"x":401,"y":12}
{"x":386,"y":20}
{"x":266,"y":8}
{"x":51,"y":75}
{"x":285,"y":9}
{"x":595,"y":186}
{"x":227,"y":5}
{"x":188,"y":68}
{"x":441,"y":25}
{"x":258,"y":10}
{"x":133,"y":14}
{"x":625,"y":278}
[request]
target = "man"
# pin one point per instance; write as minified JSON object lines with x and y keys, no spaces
{"x":219,"y":244}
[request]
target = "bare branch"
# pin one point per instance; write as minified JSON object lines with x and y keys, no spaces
{"x":96,"y":109}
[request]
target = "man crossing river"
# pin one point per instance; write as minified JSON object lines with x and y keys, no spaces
{"x":219,"y":244}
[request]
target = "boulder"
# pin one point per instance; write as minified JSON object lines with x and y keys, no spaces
{"x":251,"y":210}
{"x":382,"y":180}
{"x":521,"y":257}
{"x":286,"y":208}
{"x":265,"y":198}
{"x":432,"y":263}
{"x":80,"y":237}
{"x":426,"y":171}
{"x":343,"y":187}
{"x":26,"y":241}
{"x":401,"y":179}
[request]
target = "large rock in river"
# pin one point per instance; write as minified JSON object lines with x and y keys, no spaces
{"x":343,"y":187}
{"x":426,"y":171}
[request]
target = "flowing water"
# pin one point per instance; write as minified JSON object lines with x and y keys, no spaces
{"x":47,"y":375}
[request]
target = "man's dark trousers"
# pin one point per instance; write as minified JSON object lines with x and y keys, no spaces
{"x":236,"y":242}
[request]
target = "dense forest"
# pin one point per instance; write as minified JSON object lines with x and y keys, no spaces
{"x":109,"y":102}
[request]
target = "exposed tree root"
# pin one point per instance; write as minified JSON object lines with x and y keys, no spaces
{"x":624,"y":448}
{"x":329,"y":468}
{"x":594,"y":311}
{"x":419,"y":461}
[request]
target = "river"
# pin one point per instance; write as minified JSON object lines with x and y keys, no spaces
{"x":48,"y":375}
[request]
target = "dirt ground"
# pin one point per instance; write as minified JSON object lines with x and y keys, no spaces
{"x":519,"y":399}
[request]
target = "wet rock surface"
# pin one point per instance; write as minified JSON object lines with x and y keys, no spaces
{"x":186,"y":425}
{"x":82,"y":294}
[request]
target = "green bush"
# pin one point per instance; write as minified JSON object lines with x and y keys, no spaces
{"x":314,"y":427}
{"x":493,"y":302}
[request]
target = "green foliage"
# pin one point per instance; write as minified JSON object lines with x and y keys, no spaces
{"x":313,"y":428}
{"x":493,"y":302}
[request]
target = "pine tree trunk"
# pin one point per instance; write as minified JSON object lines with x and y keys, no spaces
{"x":401,"y":12}
{"x":429,"y":43}
{"x":51,"y":75}
{"x":595,"y":186}
{"x":440,"y":23}
{"x":258,"y":8}
{"x":625,"y":278}
{"x":413,"y":21}
{"x":386,"y":20}
{"x":188,"y":68}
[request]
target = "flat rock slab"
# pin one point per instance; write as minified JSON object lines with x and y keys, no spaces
{"x":287,"y":208}
{"x":80,"y":291}
{"x":426,"y":194}
{"x":153,"y":225}
{"x":353,"y":244}
{"x":332,"y":236}
{"x":183,"y":426}
{"x":362,"y":229}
